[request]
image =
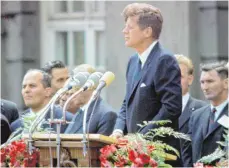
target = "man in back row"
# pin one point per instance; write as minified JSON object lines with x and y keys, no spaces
{"x":189,"y":104}
{"x":59,"y":73}
{"x":37,"y":92}
{"x":204,"y":126}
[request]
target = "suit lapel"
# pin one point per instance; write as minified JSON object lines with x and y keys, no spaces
{"x":186,"y":113}
{"x":205,"y":120}
{"x":216,"y":124}
{"x":144,"y":69}
{"x":78,"y":119}
{"x":77,"y":122}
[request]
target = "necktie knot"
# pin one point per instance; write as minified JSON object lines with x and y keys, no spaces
{"x":214,"y":110}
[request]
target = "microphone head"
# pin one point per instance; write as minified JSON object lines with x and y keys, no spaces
{"x":77,"y":80}
{"x":80,"y":78}
{"x":93,"y":80}
{"x":108,"y":77}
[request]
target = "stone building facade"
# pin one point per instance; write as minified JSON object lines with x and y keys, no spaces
{"x":34,"y":32}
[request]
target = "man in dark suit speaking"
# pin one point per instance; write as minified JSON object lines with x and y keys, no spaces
{"x":153,"y":90}
{"x":204,"y":126}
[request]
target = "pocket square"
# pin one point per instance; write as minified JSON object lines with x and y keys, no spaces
{"x":143,"y":85}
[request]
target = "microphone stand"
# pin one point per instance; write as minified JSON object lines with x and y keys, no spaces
{"x":58,"y":123}
{"x":41,"y":116}
{"x":84,"y":141}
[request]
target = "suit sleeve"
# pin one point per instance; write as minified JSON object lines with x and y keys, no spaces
{"x":187,"y":147}
{"x":15,"y":114}
{"x":107,"y":122}
{"x":121,"y":120}
{"x":167,"y":83}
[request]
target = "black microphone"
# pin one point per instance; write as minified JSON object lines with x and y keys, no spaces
{"x":92,"y":81}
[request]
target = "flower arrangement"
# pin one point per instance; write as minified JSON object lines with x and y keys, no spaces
{"x":16,"y":154}
{"x":137,"y":150}
{"x":219,"y":158}
{"x":27,"y":120}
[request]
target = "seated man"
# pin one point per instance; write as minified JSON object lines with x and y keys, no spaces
{"x":58,"y":72}
{"x":37,"y":92}
{"x":100,"y":117}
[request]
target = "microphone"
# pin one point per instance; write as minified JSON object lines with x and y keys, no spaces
{"x":77,"y":80}
{"x":92,"y":81}
{"x":106,"y":80}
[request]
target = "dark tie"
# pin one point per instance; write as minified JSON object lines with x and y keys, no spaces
{"x":211,"y":119}
{"x":137,"y":71}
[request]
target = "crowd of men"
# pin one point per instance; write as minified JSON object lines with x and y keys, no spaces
{"x":158,"y":86}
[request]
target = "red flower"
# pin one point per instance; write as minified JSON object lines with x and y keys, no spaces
{"x":132,"y":155}
{"x":207,"y":166}
{"x":138,"y":159}
{"x":121,"y":161}
{"x":108,"y":150}
{"x":16,"y":155}
{"x":150,"y":148}
{"x":145,"y":158}
{"x":153,"y":163}
{"x":105,"y":163}
{"x":3,"y":155}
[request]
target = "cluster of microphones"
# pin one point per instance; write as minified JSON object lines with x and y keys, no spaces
{"x":84,"y":81}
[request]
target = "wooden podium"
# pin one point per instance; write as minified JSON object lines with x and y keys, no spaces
{"x":71,"y":152}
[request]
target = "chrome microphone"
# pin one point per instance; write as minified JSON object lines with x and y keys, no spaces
{"x":106,"y":80}
{"x":92,"y":81}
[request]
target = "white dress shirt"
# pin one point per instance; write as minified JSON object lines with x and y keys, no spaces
{"x":143,"y":57}
{"x":185,"y":99}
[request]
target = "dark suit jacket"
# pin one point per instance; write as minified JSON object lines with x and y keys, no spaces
{"x":102,"y":119}
{"x":5,"y":129}
{"x":9,"y":110}
{"x":57,"y":114}
{"x":155,"y":95}
{"x":191,"y":106}
{"x":160,"y":99}
{"x":203,"y":142}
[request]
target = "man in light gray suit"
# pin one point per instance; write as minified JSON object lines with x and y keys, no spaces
{"x":101,"y":117}
{"x":189,"y":104}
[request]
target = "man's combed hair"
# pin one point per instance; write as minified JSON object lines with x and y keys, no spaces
{"x":46,"y":80}
{"x":220,"y":67}
{"x":181,"y":59}
{"x":149,"y":16}
{"x":52,"y":64}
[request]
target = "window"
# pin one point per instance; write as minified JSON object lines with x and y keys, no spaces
{"x":73,"y":32}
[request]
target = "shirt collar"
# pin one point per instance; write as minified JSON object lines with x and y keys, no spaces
{"x":220,"y":107}
{"x":185,"y":99}
{"x":38,"y":112}
{"x":143,"y":57}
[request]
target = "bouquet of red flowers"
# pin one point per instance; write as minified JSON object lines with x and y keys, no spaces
{"x":126,"y":153}
{"x":137,"y":150}
{"x":16,"y":154}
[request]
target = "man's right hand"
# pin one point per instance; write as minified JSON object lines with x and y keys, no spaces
{"x":116,"y":135}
